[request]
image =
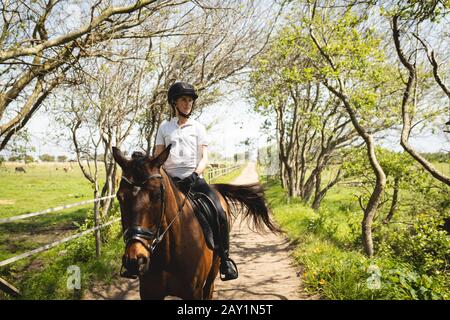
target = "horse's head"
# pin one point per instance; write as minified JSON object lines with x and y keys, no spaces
{"x":141,"y":199}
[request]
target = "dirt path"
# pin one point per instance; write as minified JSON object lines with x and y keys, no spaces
{"x":265,"y":267}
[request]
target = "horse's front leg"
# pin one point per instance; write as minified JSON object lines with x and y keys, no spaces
{"x":149,"y":295}
{"x":196,"y":294}
{"x":152,"y":288}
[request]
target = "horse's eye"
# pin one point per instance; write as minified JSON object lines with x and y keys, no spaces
{"x":120,"y":196}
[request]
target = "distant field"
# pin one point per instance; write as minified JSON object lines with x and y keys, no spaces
{"x":442,"y":167}
{"x":43,"y":186}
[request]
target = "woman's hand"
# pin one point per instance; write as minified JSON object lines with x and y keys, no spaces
{"x":191,"y":179}
{"x":186,"y":183}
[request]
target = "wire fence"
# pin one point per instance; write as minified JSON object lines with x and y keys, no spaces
{"x":54,"y":244}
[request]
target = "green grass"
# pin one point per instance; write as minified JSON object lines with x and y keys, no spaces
{"x":41,"y":187}
{"x":44,"y":277}
{"x":329,"y":250}
{"x":28,"y":234}
{"x":442,"y":167}
{"x":321,"y":245}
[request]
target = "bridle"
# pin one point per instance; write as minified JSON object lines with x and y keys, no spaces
{"x":147,"y":237}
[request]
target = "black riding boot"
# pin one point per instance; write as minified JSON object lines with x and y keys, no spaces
{"x":228,"y":269}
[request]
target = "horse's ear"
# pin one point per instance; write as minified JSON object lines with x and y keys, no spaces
{"x":162,"y":157}
{"x":119,"y":157}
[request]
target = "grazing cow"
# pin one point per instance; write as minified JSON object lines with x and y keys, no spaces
{"x":20,"y":169}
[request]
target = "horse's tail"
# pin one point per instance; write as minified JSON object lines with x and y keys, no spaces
{"x":251,"y":198}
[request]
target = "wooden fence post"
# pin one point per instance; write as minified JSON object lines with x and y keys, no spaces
{"x":9,"y":288}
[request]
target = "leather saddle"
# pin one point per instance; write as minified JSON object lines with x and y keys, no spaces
{"x":206,"y":214}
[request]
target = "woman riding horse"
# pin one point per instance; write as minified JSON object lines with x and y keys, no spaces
{"x":188,"y":159}
{"x":165,"y":244}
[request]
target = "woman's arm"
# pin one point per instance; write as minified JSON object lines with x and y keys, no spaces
{"x":203,"y":162}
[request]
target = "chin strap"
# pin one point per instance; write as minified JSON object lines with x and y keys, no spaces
{"x":184,"y":114}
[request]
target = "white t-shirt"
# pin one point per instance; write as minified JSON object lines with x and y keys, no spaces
{"x":186,"y":150}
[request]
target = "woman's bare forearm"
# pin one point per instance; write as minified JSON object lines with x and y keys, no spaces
{"x":203,"y":162}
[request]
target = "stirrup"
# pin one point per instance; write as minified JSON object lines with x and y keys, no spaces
{"x":225,"y":277}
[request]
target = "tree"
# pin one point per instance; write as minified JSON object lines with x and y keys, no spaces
{"x":310,"y":126}
{"x":401,"y":174}
{"x":14,"y":158}
{"x":214,"y":51}
{"x":346,"y":57}
{"x":38,"y":49}
{"x":47,"y":158}
{"x":28,"y":159}
{"x":62,"y":158}
{"x":20,"y":147}
{"x":406,"y":19}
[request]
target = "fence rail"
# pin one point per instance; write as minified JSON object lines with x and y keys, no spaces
{"x":215,"y":173}
{"x":38,"y":213}
{"x":54,"y":244}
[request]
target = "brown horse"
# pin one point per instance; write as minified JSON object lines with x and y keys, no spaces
{"x":165,"y":245}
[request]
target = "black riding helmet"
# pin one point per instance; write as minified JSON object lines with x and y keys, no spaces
{"x":179,"y":89}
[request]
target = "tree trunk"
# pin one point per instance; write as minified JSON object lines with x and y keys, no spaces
{"x":108,"y":187}
{"x":98,"y":239}
{"x":375,"y":197}
{"x":380,"y":182}
{"x":283,"y":176}
{"x":406,"y":115}
{"x":291,"y":182}
{"x":394,"y":201}
{"x":107,"y":192}
{"x":321,"y":193}
{"x":309,"y":187}
{"x":316,"y":201}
